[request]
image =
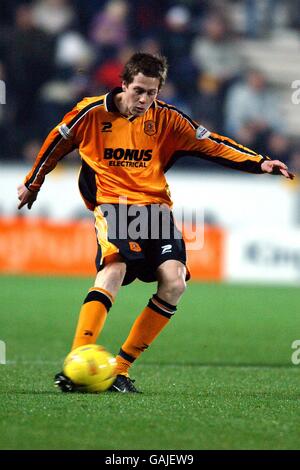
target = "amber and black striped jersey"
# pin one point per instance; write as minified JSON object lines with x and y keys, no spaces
{"x":128,"y":156}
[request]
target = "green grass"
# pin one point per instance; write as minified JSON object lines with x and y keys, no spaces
{"x":219,"y":376}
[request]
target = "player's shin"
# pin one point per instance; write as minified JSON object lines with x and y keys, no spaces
{"x":144,"y":331}
{"x":92,"y":316}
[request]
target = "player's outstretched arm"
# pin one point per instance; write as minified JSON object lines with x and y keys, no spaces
{"x":26,"y":197}
{"x":59,"y":142}
{"x":276,"y":167}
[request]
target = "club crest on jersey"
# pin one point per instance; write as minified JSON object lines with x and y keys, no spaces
{"x":149,"y":127}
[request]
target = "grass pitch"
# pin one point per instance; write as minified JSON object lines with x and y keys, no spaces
{"x":218,"y":377}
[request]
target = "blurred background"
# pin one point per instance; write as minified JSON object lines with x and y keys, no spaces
{"x":232,"y":63}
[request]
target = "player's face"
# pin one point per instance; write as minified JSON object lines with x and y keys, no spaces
{"x":140,"y":94}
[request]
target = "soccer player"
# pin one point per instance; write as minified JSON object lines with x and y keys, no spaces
{"x":127,"y":140}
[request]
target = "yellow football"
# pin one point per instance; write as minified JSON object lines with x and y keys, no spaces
{"x":91,"y":368}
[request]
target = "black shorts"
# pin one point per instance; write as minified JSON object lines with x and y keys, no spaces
{"x":144,"y":236}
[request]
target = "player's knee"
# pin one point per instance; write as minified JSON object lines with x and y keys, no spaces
{"x":175,"y":287}
{"x":111,"y":276}
{"x":179,"y":286}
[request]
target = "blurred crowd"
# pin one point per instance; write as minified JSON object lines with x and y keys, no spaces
{"x":54,"y":52}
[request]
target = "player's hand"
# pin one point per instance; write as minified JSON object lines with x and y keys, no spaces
{"x":276,"y":167}
{"x":26,"y":196}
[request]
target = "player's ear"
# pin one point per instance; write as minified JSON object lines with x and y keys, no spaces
{"x":124,"y":86}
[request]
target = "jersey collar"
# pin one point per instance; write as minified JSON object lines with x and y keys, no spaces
{"x":109,"y":100}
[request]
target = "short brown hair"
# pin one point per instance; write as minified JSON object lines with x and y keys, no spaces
{"x":147,"y":64}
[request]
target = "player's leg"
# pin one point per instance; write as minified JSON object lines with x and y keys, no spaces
{"x":111,"y":271}
{"x":156,"y":315}
{"x":94,"y":310}
{"x":112,"y":258}
{"x":167,"y":256}
{"x":99,"y":300}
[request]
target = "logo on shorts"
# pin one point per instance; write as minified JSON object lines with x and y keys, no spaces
{"x":134,"y":246}
{"x":150,"y":128}
{"x":166,"y":249}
